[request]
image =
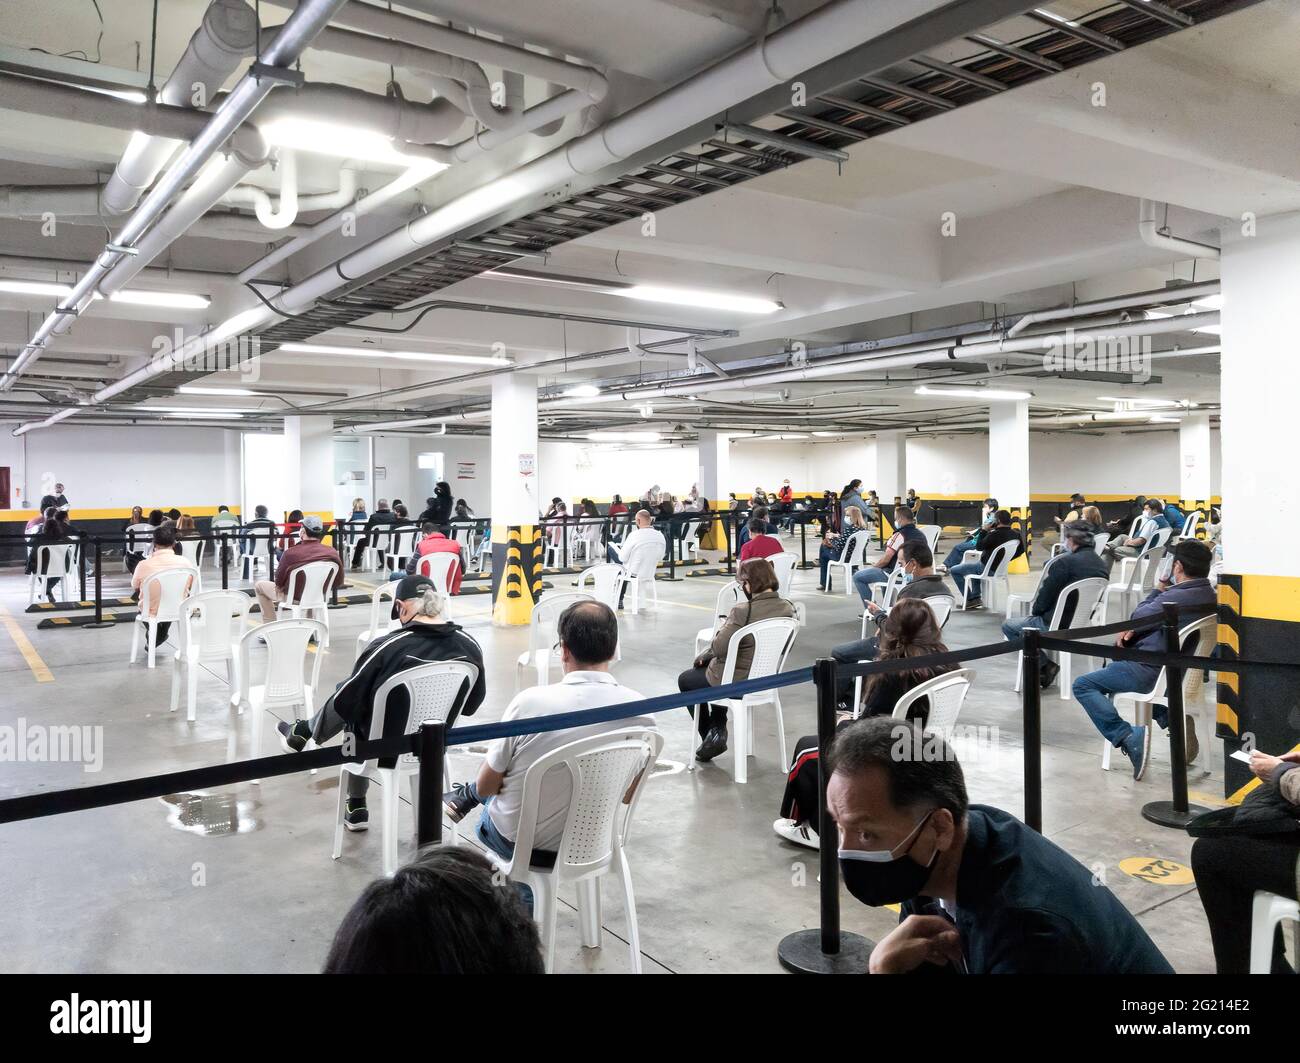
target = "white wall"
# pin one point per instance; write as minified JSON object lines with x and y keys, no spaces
{"x":106,"y":467}
{"x":1115,"y":463}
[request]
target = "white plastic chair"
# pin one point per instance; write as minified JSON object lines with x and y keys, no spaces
{"x":1197,"y":638}
{"x":283,"y":687}
{"x":1139,"y":582}
{"x":851,"y":558}
{"x":401,"y":545}
{"x":558,"y":533}
{"x":772,"y":641}
{"x":308,"y":594}
{"x":439,"y":567}
{"x":1190,"y":525}
{"x":1158,"y":543}
{"x":1266,"y":911}
{"x":603,"y":768}
{"x":53,"y":561}
{"x":377,"y":544}
{"x":192,"y":550}
{"x":1018,"y":605}
{"x":1083,"y":597}
{"x":931,"y":533}
{"x":208,"y":635}
{"x":729,"y":596}
{"x":381,"y":621}
{"x":639,"y":572}
{"x":250,"y":559}
{"x":994,"y":573}
{"x":173,"y":585}
{"x":885,"y":594}
{"x":436,"y":691}
{"x":691,"y":540}
{"x":542,"y":635}
{"x":784,"y":565}
{"x":947,"y":694}
{"x":603,"y":579}
{"x":942,"y":605}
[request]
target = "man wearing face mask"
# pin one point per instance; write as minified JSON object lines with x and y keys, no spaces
{"x":981,"y":892}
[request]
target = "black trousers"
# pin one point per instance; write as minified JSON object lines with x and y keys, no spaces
{"x":1228,"y":871}
{"x":852,"y":653}
{"x":706,"y":716}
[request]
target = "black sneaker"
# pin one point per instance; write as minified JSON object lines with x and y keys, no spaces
{"x":1048,"y":673}
{"x":294,"y":736}
{"x":355,"y":814}
{"x":459,"y":802}
{"x":974,"y":603}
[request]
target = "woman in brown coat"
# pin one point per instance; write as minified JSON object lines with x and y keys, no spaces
{"x":757,"y":579}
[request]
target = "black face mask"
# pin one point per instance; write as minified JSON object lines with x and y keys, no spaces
{"x":879,"y":878}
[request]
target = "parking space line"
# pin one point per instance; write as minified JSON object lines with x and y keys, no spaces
{"x":40,"y":670}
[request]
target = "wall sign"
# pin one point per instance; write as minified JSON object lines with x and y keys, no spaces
{"x":527,"y":464}
{"x":466,"y":470}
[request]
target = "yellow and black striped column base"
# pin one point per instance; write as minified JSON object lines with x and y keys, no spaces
{"x":516,"y":574}
{"x":1259,"y":619}
{"x":1022,"y":524}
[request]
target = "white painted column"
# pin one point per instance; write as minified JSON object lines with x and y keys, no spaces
{"x":714,"y":475}
{"x":891,"y":468}
{"x":1009,"y":465}
{"x":309,"y":453}
{"x":514,"y":451}
{"x":1258,"y":382}
{"x":1194,"y":458}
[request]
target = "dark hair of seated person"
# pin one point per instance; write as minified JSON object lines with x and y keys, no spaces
{"x":444,"y":913}
{"x":165,"y":534}
{"x":909,"y":630}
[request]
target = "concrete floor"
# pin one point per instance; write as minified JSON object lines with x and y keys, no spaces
{"x":129,"y":888}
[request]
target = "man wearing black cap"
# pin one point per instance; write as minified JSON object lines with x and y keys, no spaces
{"x":425,"y":637}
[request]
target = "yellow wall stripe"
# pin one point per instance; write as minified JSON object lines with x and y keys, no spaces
{"x":1271,"y":597}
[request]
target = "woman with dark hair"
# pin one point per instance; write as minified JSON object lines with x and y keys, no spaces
{"x":909,"y":630}
{"x":852,"y":496}
{"x":444,"y":913}
{"x":464,"y":511}
{"x":292,"y":527}
{"x":758,"y":584}
{"x":438,"y":506}
{"x":51,"y":533}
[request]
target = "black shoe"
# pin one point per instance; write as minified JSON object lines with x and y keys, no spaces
{"x":1048,"y":673}
{"x":974,"y":603}
{"x":458,"y":802}
{"x":355,"y":814}
{"x":294,"y":736}
{"x":714,"y":744}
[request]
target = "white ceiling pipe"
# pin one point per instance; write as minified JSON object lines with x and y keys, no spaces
{"x":1036,"y":344}
{"x":432,"y":36}
{"x":1123,"y":302}
{"x":814,"y":39}
{"x":28,"y":263}
{"x":307,"y":20}
{"x":251,"y":195}
{"x":227,"y":34}
{"x":390,"y":116}
{"x":1155,"y":236}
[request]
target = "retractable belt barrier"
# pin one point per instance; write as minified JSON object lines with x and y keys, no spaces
{"x":823,"y":949}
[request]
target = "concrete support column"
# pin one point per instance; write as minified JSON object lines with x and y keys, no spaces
{"x":1259,"y":592}
{"x":891,"y":467}
{"x":1009,"y":468}
{"x":516,"y":551}
{"x":715,"y":467}
{"x":1194,"y":465}
{"x":309,"y":453}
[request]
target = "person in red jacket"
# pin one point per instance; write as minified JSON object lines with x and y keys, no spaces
{"x":310,"y":549}
{"x":760,"y":544}
{"x":434,"y":542}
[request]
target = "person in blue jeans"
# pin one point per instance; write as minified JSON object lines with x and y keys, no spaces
{"x":972,"y":541}
{"x":879,"y":570}
{"x":1002,"y":532}
{"x":833,"y":545}
{"x":1095,"y":691}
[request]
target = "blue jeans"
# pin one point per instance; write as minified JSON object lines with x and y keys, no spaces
{"x":959,"y":574}
{"x":504,"y":847}
{"x":1095,"y":690}
{"x":863,"y":578}
{"x":1014,"y":628}
{"x":824,"y":557}
{"x":955,"y":554}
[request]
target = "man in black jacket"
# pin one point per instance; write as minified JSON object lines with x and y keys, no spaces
{"x":986,"y":543}
{"x":382,"y":518}
{"x":1080,"y":561}
{"x":424,"y":638}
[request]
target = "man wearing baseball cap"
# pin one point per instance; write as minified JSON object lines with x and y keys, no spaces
{"x":425,"y":637}
{"x":309,"y":549}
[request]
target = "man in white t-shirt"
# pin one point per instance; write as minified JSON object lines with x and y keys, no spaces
{"x":588,"y":634}
{"x":644,"y":532}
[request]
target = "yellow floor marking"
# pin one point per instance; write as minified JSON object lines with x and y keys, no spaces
{"x":685,"y":605}
{"x":39,"y":668}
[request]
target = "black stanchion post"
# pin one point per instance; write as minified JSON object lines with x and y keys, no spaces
{"x":728,"y":528}
{"x":1031,"y":692}
{"x":826,"y":950}
{"x":1176,"y":813}
{"x":99,"y":620}
{"x":81,"y":564}
{"x":431,"y":748}
{"x":270,"y":555}
{"x":803,"y":544}
{"x":674,"y":544}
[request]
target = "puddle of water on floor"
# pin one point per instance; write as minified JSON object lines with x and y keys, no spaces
{"x":212,"y":815}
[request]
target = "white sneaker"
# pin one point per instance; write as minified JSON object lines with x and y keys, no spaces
{"x":800,"y":834}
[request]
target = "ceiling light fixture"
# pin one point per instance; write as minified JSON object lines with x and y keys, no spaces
{"x":582,"y":391}
{"x":197,"y":411}
{"x":705,"y":300}
{"x":991,"y":394}
{"x":57,"y":291}
{"x":401,"y":356}
{"x":207,"y":413}
{"x":171,"y":300}
{"x":342,"y":141}
{"x":193,"y":389}
{"x":624,"y":437}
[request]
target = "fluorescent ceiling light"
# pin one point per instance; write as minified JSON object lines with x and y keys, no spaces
{"x":197,"y":411}
{"x":1138,"y":404}
{"x":194,"y":389}
{"x":624,"y":437}
{"x":780,"y":435}
{"x":401,"y":356}
{"x":1159,"y":419}
{"x":342,"y":141}
{"x":206,"y":413}
{"x":706,"y":300}
{"x":1124,"y":415}
{"x":991,"y":394}
{"x":173,"y":300}
{"x":582,"y":391}
{"x":1209,"y":302}
{"x":35,"y":288}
